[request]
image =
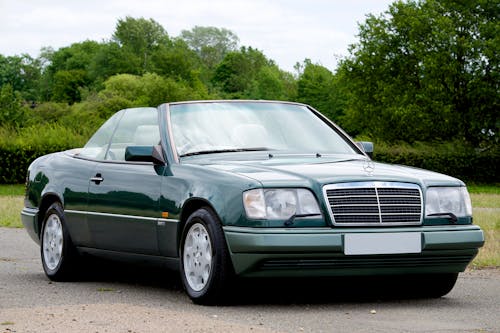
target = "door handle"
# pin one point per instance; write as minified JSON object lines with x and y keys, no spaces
{"x":97,"y":179}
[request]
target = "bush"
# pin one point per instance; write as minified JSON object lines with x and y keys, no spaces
{"x":48,"y":112}
{"x":11,"y":110}
{"x":455,"y":159}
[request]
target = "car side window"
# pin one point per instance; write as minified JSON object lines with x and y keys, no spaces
{"x":138,"y":127}
{"x":97,"y":146}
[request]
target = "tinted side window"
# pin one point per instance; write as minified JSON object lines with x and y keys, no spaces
{"x":138,"y":127}
{"x":97,"y":146}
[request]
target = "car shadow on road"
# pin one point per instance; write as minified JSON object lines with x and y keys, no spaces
{"x":145,"y":274}
{"x":282,"y":291}
{"x":278,"y":291}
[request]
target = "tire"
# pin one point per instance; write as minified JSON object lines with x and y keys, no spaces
{"x":56,"y":249}
{"x":205,"y":265}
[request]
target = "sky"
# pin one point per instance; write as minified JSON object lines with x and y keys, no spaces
{"x":287,"y":31}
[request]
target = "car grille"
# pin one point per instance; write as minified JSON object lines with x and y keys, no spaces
{"x":374,"y":203}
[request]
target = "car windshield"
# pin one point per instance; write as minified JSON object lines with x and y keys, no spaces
{"x":213,"y":127}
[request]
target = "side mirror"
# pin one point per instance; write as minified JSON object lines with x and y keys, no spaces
{"x":144,"y":154}
{"x":366,"y":147}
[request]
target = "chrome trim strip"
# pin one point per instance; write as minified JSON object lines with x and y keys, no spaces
{"x":208,"y":101}
{"x":375,"y":185}
{"x":170,"y":134}
{"x":372,"y":184}
{"x":378,"y":204}
{"x":372,"y":205}
{"x":29,"y":211}
{"x":168,"y":220}
{"x":376,"y":214}
{"x":137,"y":217}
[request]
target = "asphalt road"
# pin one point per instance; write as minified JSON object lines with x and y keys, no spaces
{"x":118,"y":298}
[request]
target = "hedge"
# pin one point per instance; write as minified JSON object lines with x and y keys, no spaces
{"x":15,"y":162}
{"x":19,"y":147}
{"x":468,"y":164}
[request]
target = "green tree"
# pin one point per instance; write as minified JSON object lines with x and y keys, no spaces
{"x":272,"y":83}
{"x":175,"y":59}
{"x":248,"y":73}
{"x":67,"y":86}
{"x":11,"y":110}
{"x":22,"y":73}
{"x":237,"y":73}
{"x":76,"y":56}
{"x":210,"y":43}
{"x":58,"y":67}
{"x":425,"y":70}
{"x":318,"y":87}
{"x":112,"y":59}
{"x":140,"y":38}
{"x":269,"y":84}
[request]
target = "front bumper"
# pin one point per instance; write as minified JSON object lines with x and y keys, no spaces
{"x":320,"y":252}
{"x":29,"y":217}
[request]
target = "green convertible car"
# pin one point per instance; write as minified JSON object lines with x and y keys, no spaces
{"x":221,"y":189}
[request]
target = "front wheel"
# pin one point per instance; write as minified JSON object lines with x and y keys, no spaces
{"x":57,"y":251}
{"x":205,"y":264}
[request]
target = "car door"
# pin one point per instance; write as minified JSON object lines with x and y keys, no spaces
{"x":123,"y":203}
{"x":76,"y":170}
{"x":76,"y":185}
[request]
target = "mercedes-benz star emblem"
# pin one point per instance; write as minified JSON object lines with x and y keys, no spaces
{"x":369,"y":167}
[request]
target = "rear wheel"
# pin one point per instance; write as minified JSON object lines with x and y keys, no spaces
{"x":205,"y":264}
{"x":57,"y":251}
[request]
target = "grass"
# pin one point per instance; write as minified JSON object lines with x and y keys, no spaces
{"x":11,"y":203}
{"x":485,"y":200}
{"x":10,"y":211}
{"x":486,"y":212}
{"x":11,"y":189}
{"x":485,"y":203}
{"x":486,"y":189}
{"x":489,"y":220}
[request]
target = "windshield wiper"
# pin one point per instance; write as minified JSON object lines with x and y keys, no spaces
{"x":290,"y":220}
{"x":215,"y":151}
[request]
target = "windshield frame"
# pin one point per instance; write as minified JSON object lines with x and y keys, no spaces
{"x":178,"y":157}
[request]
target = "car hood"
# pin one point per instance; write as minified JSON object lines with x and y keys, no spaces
{"x":309,"y":170}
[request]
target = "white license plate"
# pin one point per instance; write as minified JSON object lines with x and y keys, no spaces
{"x":382,"y":243}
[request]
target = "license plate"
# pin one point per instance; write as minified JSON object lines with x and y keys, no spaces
{"x":382,"y":243}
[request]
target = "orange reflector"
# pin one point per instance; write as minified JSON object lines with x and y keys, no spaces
{"x":164,"y":215}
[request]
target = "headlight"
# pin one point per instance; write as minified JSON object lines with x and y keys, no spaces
{"x":445,"y":200}
{"x":277,"y":204}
